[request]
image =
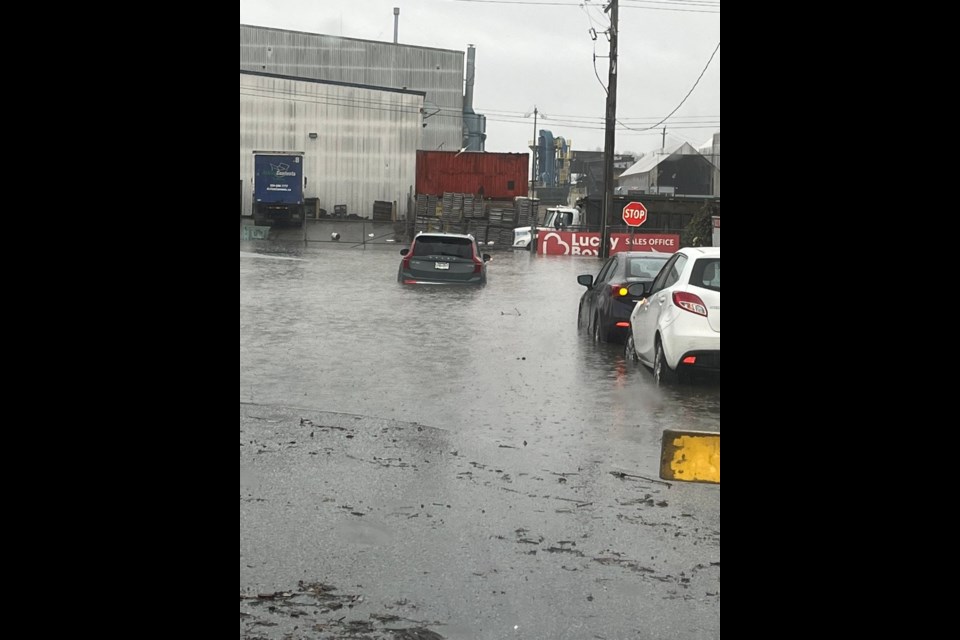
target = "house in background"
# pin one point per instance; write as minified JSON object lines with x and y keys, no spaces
{"x":675,"y":170}
{"x":711,"y":151}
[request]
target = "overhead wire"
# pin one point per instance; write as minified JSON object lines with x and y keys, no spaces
{"x":628,"y":6}
{"x":508,"y":117}
{"x":684,"y":97}
{"x":585,"y":7}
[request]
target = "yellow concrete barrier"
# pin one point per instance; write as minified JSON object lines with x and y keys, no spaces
{"x":690,"y":456}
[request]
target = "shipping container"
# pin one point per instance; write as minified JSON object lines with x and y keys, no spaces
{"x":499,"y":176}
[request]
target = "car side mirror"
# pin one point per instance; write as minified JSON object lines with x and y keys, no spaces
{"x":486,"y":257}
{"x":586,"y":280}
{"x":639,"y":289}
{"x":404,"y":252}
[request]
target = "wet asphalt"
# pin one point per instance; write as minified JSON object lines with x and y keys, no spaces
{"x":457,"y":463}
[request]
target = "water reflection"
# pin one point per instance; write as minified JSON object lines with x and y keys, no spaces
{"x":335,"y":331}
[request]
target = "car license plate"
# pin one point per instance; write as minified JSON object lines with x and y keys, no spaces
{"x":441,"y":265}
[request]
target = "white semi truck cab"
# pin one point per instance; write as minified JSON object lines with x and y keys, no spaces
{"x":557,"y":218}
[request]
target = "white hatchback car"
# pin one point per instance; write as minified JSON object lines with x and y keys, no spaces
{"x":676,"y":327}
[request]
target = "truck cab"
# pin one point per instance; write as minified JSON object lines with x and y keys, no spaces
{"x":556,"y":219}
{"x":278,"y":184}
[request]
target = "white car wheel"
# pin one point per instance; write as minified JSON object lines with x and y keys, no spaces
{"x":629,"y":352}
{"x":662,"y":373}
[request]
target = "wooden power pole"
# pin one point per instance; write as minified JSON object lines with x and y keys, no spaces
{"x":609,"y":137}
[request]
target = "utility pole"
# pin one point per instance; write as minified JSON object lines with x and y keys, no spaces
{"x":609,"y":137}
{"x":663,"y":141}
{"x":533,"y":182}
{"x":533,"y":155}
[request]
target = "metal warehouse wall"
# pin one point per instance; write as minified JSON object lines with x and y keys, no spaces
{"x":502,"y":175}
{"x":361,"y":153}
{"x":437,"y":72}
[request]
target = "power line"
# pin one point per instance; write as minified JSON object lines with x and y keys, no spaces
{"x":599,"y":125}
{"x":574,"y":116}
{"x":572,"y":121}
{"x":577,"y":4}
{"x":558,"y":4}
{"x":686,"y":96}
{"x":682,"y":3}
{"x":348,"y":103}
{"x":593,"y":35}
{"x":709,"y":3}
{"x":672,"y":8}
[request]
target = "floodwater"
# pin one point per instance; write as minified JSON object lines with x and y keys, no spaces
{"x":434,"y":462}
{"x":334,"y":331}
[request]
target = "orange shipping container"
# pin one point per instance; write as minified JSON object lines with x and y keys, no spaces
{"x":498,"y":176}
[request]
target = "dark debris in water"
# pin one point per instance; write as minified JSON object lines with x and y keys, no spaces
{"x":318,"y":606}
{"x":418,"y":633}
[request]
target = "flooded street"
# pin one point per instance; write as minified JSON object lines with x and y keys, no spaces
{"x":450,"y":461}
{"x":336,"y":332}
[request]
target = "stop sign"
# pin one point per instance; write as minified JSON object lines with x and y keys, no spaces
{"x":635,"y":214}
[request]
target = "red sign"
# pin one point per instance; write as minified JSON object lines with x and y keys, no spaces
{"x":575,"y":243}
{"x":635,"y":214}
{"x":655,"y":242}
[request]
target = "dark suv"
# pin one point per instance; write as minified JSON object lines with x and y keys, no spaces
{"x":443,"y":258}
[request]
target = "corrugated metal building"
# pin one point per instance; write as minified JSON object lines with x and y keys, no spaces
{"x":677,"y":169}
{"x":498,"y":176}
{"x":439,"y":73}
{"x":711,"y":151}
{"x":589,"y":167}
{"x":359,"y":142}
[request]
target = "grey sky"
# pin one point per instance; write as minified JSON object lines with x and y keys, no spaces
{"x":540,"y":52}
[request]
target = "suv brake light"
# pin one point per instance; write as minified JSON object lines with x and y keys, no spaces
{"x":689,"y":302}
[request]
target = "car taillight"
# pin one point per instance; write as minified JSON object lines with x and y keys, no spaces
{"x":689,"y":302}
{"x":618,"y":291}
{"x":477,"y":264}
{"x":406,"y":260}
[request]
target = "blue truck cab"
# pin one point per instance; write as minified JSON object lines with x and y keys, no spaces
{"x":278,"y":183}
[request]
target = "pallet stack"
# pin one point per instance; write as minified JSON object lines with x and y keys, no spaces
{"x":382,"y":211}
{"x":426,"y":206}
{"x":478,"y":229}
{"x":526,"y":210}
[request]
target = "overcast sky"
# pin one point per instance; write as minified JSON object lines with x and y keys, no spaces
{"x":540,"y":53}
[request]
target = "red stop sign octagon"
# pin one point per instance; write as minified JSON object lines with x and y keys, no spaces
{"x":635,"y":214}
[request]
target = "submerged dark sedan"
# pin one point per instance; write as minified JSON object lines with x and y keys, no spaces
{"x":443,"y":258}
{"x":606,"y":305}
